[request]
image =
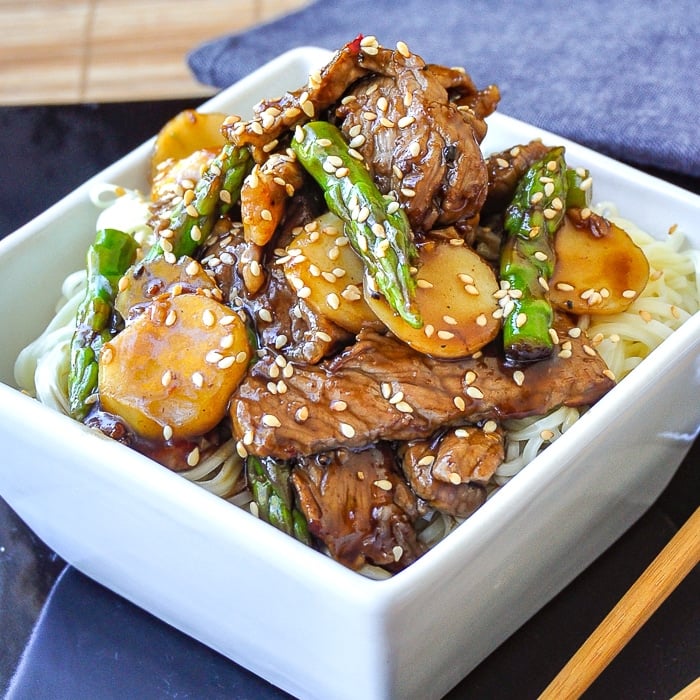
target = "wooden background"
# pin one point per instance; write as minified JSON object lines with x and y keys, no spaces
{"x":71,"y":51}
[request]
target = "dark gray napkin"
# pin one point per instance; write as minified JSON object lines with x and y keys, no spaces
{"x":619,"y":76}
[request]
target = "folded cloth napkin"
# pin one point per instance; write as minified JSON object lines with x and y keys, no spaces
{"x":620,"y":76}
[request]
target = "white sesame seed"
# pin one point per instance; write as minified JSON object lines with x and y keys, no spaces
{"x":271,"y":421}
{"x":347,"y":430}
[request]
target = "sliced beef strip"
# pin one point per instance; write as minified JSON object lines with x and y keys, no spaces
{"x":422,"y":146}
{"x":380,"y":389}
{"x":450,"y":470}
{"x":360,"y":507}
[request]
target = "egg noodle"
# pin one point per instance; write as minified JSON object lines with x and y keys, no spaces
{"x":623,"y":340}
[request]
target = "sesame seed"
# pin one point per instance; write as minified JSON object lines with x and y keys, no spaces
{"x":347,"y":430}
{"x":546,"y":434}
{"x":402,"y":48}
{"x":171,"y":318}
{"x":470,"y":377}
{"x":490,"y":426}
{"x":471,"y":289}
{"x":226,"y":362}
{"x":520,"y":320}
{"x":445,"y":335}
{"x":166,"y":377}
{"x":554,"y":336}
{"x":589,"y":350}
{"x":106,"y":354}
{"x":629,"y":294}
{"x":227,"y":320}
{"x":455,"y":478}
{"x":301,"y":414}
{"x":167,"y":432}
{"x":429,"y":330}
{"x":338,"y":405}
{"x":449,"y":320}
{"x":192,"y":211}
{"x":541,"y":256}
{"x":481,"y":320}
{"x":322,"y":335}
{"x":333,"y":300}
{"x":208,"y":318}
{"x":271,"y":421}
{"x":265,"y":315}
{"x":518,"y":377}
{"x":424,"y":284}
{"x":459,"y":403}
{"x":549,"y":214}
{"x":198,"y":379}
{"x":383,"y":484}
{"x":193,"y":457}
{"x":213,"y":357}
{"x":474,"y":392}
{"x":280,"y":341}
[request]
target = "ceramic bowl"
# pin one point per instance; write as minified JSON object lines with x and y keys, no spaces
{"x":284,"y":611}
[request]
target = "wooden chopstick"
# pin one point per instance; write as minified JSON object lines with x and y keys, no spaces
{"x":671,"y":566}
{"x":690,"y":692}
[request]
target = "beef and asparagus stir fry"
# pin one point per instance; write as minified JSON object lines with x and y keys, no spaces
{"x":348,"y":292}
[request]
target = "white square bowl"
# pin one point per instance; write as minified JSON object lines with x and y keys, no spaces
{"x":282,"y":610}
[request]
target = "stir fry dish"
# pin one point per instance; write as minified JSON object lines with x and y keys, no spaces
{"x":339,"y":312}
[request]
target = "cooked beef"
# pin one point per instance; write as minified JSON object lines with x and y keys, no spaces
{"x":358,"y":504}
{"x":418,"y":125}
{"x":505,"y":170}
{"x":379,"y":388}
{"x":450,"y":470}
{"x":422,"y":146}
{"x":281,"y":319}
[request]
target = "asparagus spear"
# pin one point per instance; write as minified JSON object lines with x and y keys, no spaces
{"x":191,"y":223}
{"x":268,"y":480}
{"x":527,"y":257}
{"x":578,"y":182}
{"x":110,"y":255}
{"x":381,"y":236}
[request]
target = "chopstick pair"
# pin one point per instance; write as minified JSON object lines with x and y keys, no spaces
{"x":675,"y":561}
